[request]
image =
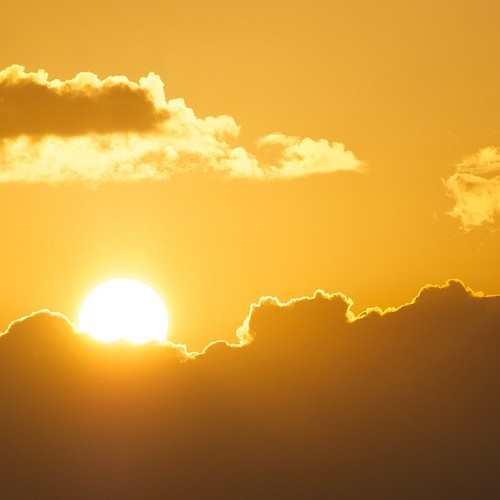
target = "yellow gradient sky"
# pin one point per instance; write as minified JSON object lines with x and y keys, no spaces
{"x":410,"y":88}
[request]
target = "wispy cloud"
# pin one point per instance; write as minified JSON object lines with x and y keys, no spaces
{"x":475,"y":188}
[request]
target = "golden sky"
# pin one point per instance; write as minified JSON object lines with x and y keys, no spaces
{"x":408,"y":90}
{"x":226,"y":151}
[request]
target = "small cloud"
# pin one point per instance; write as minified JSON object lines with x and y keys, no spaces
{"x":285,"y":156}
{"x":91,"y":130}
{"x":475,"y":188}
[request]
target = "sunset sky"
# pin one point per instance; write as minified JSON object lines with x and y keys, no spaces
{"x":411,"y":89}
{"x":226,"y":151}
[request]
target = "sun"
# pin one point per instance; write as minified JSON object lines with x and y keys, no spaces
{"x":124,"y":309}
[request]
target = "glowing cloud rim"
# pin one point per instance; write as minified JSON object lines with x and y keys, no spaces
{"x":337,"y":306}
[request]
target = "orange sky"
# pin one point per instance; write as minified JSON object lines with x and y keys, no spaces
{"x":411,"y":89}
{"x":237,"y":157}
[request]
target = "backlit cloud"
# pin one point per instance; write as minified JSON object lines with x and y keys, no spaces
{"x":33,"y":105}
{"x":315,"y":402}
{"x":93,"y":130}
{"x":475,"y":188}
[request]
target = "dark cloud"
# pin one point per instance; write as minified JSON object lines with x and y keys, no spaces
{"x":395,"y":404}
{"x":32,"y":105}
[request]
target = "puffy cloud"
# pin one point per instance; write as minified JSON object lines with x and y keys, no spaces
{"x":320,"y":404}
{"x":475,"y":187}
{"x":46,"y":332}
{"x":93,"y":130}
{"x":293,"y":157}
{"x":33,"y":105}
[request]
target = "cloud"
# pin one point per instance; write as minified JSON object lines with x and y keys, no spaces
{"x":46,"y":331}
{"x":317,"y":403}
{"x":475,"y":188}
{"x":33,"y":105}
{"x":92,"y":130}
{"x":294,"y":157}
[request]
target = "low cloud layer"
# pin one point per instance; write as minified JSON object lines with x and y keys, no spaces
{"x":475,"y":188}
{"x":87,"y":129}
{"x":313,"y":402}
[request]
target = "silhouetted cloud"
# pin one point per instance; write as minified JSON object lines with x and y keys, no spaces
{"x":475,"y":187}
{"x":313,"y":403}
{"x":87,"y":129}
{"x":33,"y":105}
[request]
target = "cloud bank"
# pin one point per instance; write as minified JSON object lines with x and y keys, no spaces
{"x":475,"y":188}
{"x":87,"y":129}
{"x":314,"y":403}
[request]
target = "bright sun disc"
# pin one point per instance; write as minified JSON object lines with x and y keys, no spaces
{"x":124,"y":309}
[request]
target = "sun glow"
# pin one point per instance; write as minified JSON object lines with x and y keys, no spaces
{"x":124,"y":309}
